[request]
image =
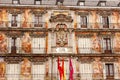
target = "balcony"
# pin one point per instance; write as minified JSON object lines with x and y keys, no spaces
{"x":61,"y":49}
{"x":55,"y":76}
{"x":98,"y":26}
{"x":92,"y":51}
{"x":15,"y":24}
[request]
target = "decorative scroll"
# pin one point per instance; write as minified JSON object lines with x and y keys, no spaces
{"x":61,"y":35}
{"x":26,"y":43}
{"x":26,"y":69}
{"x":95,"y":18}
{"x":116,"y":19}
{"x":96,"y":43}
{"x":2,"y":70}
{"x":117,"y":42}
{"x":3,"y":43}
{"x":97,"y":69}
{"x":27,"y":19}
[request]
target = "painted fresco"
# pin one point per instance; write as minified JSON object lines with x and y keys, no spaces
{"x":2,"y":70}
{"x":116,"y":19}
{"x":3,"y":43}
{"x":95,"y":19}
{"x":96,"y":43}
{"x":26,"y":43}
{"x":26,"y":69}
{"x":3,"y":18}
{"x":27,"y":19}
{"x":117,"y":42}
{"x":97,"y":69}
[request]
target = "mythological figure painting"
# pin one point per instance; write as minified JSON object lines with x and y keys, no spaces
{"x":26,"y":19}
{"x":97,"y":69}
{"x":3,"y":43}
{"x":2,"y":70}
{"x":3,"y":18}
{"x":61,"y":35}
{"x":96,"y":43}
{"x":95,"y":18}
{"x":26,"y":69}
{"x":116,"y":19}
{"x":26,"y":43}
{"x":117,"y":42}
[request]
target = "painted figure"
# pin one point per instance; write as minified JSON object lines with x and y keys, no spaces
{"x":26,"y":19}
{"x":26,"y":43}
{"x":3,"y":43}
{"x":96,"y":43}
{"x":26,"y":69}
{"x":117,"y":42}
{"x":97,"y":69}
{"x":2,"y":70}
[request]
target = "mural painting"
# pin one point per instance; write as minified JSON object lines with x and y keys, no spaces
{"x":3,"y":43}
{"x":96,"y":43}
{"x":97,"y":69}
{"x":26,"y":69}
{"x":117,"y":42}
{"x":26,"y":43}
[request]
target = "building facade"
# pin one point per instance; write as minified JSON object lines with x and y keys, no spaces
{"x":34,"y":33}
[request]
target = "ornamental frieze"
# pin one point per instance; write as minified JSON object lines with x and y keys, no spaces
{"x":85,"y":59}
{"x":38,"y":12}
{"x":61,"y":18}
{"x":109,"y":59}
{"x":82,"y":13}
{"x":13,"y":60}
{"x":15,"y":11}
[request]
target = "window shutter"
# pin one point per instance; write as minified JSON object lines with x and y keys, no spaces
{"x":13,"y":71}
{"x":9,"y":19}
{"x":38,"y":71}
{"x":18,"y":20}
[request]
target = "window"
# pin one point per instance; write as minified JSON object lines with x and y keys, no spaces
{"x":15,"y":1}
{"x":14,"y":21}
{"x":109,"y":70}
{"x":13,"y":45}
{"x":38,"y":21}
{"x":61,"y":2}
{"x":119,"y":4}
{"x":83,"y":21}
{"x":84,"y":45}
{"x":105,"y":21}
{"x":102,"y":3}
{"x":38,"y":2}
{"x":107,"y":45}
{"x":38,"y":45}
{"x":81,"y":3}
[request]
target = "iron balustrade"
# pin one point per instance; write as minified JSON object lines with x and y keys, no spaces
{"x":17,"y":24}
{"x":76,"y":76}
{"x":98,"y":26}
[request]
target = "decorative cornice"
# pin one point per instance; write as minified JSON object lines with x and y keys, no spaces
{"x":109,"y":59}
{"x":15,"y":11}
{"x":38,"y":12}
{"x":61,"y":18}
{"x":82,"y":13}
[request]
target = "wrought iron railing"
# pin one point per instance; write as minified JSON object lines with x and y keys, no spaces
{"x":55,"y":76}
{"x":98,"y":26}
{"x":16,"y":24}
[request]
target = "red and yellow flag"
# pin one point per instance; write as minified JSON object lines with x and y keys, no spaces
{"x":61,"y":69}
